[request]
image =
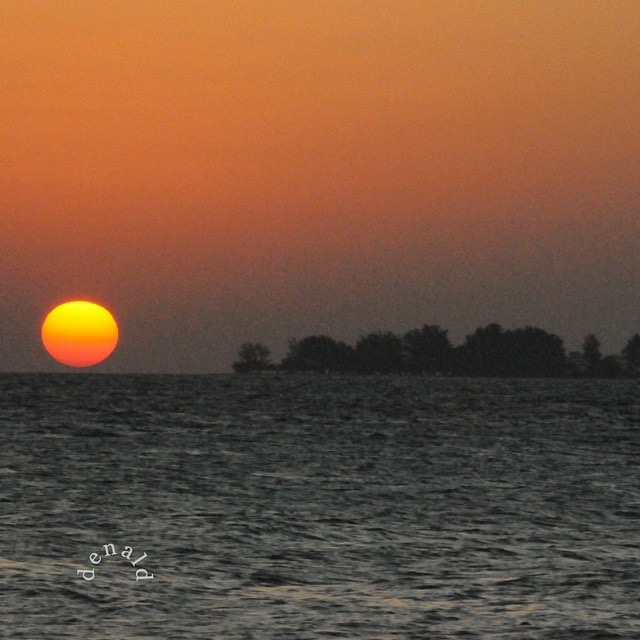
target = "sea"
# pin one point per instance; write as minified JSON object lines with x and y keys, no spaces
{"x":307,"y":507}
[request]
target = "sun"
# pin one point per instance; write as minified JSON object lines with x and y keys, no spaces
{"x":79,"y":333}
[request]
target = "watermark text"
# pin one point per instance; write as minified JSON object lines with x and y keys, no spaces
{"x":110,"y":549}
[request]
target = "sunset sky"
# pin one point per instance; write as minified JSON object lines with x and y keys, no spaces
{"x":216,"y":171}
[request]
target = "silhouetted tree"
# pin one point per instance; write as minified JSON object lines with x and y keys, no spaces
{"x":610,"y":367}
{"x":428,"y":350}
{"x":492,"y":351}
{"x":379,"y":353}
{"x":631,"y":356}
{"x":489,"y":351}
{"x":576,"y":365}
{"x":534,"y":352}
{"x":252,"y":356}
{"x":592,"y":355}
{"x":483,"y":352}
{"x":320,"y":354}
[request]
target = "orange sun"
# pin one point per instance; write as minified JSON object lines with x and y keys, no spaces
{"x":79,"y":333}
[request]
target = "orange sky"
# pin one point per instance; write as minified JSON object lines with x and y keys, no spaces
{"x":222,"y":171}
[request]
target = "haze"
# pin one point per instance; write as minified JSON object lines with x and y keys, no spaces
{"x":223,"y":172}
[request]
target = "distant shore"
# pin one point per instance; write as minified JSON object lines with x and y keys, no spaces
{"x":489,"y":351}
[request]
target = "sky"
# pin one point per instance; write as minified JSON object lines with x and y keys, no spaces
{"x":217,"y":172}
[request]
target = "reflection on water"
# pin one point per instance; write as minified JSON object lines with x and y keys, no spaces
{"x":317,"y":507}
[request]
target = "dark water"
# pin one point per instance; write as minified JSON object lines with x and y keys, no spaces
{"x":319,"y":507}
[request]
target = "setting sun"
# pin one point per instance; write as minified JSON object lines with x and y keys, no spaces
{"x":79,"y":333}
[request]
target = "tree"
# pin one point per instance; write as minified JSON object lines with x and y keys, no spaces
{"x":252,"y":356}
{"x":592,"y":355}
{"x":534,"y":352}
{"x":610,"y":367}
{"x":320,"y":354}
{"x":483,"y":352}
{"x":575,"y":364}
{"x":428,"y":350}
{"x":492,"y":351}
{"x":631,"y":356}
{"x":379,"y":353}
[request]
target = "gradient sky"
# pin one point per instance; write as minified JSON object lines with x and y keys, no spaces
{"x":216,"y":171}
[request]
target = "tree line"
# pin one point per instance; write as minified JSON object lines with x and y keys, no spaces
{"x":488,"y":351}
